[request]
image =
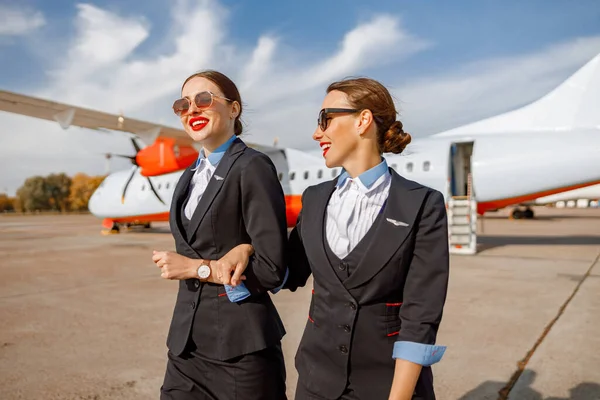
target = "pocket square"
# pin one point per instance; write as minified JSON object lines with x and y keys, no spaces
{"x":396,"y":223}
{"x":219,"y":178}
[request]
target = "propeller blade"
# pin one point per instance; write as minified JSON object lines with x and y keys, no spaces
{"x":132,"y":158}
{"x":154,"y":191}
{"x":127,"y":185}
{"x":135,"y":145}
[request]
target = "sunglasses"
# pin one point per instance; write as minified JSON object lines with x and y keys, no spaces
{"x":324,"y":117}
{"x":202,"y":100}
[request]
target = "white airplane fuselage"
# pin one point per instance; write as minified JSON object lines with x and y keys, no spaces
{"x":505,"y":169}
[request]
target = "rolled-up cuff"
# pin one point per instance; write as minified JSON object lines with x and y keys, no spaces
{"x":285,"y":278}
{"x":237,"y":293}
{"x":418,"y":353}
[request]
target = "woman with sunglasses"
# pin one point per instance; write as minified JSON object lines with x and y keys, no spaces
{"x":377,"y":247}
{"x":224,"y":339}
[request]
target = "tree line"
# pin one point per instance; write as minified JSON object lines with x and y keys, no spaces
{"x":55,"y":192}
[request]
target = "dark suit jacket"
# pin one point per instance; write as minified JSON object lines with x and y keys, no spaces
{"x":353,"y":324}
{"x":246,"y":206}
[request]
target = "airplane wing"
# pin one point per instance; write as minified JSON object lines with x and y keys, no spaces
{"x":67,"y":115}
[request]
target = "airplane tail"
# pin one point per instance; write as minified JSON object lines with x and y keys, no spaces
{"x":572,"y":105}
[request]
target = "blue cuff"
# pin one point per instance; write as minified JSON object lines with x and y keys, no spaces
{"x":237,"y":293}
{"x":285,"y":278}
{"x":418,"y":353}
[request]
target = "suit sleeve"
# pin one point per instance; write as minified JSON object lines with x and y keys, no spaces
{"x":299,"y":267}
{"x":426,"y":286}
{"x":263,"y":210}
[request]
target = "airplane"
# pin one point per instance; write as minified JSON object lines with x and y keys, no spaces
{"x":549,"y":146}
{"x":583,"y":197}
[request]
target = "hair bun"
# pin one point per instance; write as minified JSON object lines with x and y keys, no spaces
{"x":395,"y":139}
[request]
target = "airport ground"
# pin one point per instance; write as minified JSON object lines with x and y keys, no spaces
{"x":85,"y":316}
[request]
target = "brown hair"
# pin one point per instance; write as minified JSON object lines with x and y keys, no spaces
{"x":227,"y":87}
{"x":368,"y":94}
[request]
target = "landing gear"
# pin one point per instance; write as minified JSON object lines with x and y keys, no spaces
{"x":517,"y":213}
{"x":131,"y":225}
{"x":113,"y":230}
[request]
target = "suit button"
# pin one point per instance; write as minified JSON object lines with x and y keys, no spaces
{"x":352,"y":306}
{"x":347,"y":328}
{"x":193,"y":305}
{"x":342,"y":266}
{"x":197,"y":283}
{"x":344,"y":349}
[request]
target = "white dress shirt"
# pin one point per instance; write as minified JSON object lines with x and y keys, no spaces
{"x":203,"y":172}
{"x":354,"y":206}
{"x":198,"y":185}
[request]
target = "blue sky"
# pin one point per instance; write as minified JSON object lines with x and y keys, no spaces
{"x":447,"y":63}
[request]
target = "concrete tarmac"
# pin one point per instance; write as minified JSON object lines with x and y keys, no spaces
{"x":85,"y":316}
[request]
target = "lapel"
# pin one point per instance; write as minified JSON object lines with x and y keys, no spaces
{"x":179,"y":196}
{"x":214,"y":185}
{"x":314,"y":228}
{"x":403,"y":204}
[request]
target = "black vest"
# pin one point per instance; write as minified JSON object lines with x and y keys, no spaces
{"x":345,"y":267}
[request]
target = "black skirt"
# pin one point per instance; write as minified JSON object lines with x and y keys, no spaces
{"x":254,"y":376}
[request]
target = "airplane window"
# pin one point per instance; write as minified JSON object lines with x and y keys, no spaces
{"x":167,"y":185}
{"x":426,"y":166}
{"x":280,"y":176}
{"x":305,"y":174}
{"x":333,"y":173}
{"x":292,"y":176}
{"x":320,"y":174}
{"x":143,"y":187}
{"x":409,"y":167}
{"x":159,"y":186}
{"x":394,"y":167}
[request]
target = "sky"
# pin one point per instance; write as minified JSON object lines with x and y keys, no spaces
{"x":445,"y":63}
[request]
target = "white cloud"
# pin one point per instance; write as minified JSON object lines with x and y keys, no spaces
{"x":102,"y":71}
{"x":19,"y":21}
{"x":489,"y":87}
{"x":282,"y":90}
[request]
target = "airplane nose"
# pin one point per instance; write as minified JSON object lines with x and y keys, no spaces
{"x":94,"y":202}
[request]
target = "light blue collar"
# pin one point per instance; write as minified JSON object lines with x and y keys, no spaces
{"x":367,"y":178}
{"x":216,"y":155}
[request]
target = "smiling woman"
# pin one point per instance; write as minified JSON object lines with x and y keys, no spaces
{"x":222,"y":345}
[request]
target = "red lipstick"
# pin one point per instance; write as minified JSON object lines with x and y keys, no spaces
{"x":197,"y":123}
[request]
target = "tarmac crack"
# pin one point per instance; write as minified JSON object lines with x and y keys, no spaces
{"x":505,"y":391}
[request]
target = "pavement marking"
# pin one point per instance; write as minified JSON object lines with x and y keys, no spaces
{"x":505,"y":391}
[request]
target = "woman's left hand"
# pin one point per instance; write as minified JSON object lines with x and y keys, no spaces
{"x":174,"y":266}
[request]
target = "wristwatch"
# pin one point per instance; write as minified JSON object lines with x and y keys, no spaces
{"x":204,"y":270}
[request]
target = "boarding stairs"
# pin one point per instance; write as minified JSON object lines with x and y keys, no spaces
{"x":462,"y":222}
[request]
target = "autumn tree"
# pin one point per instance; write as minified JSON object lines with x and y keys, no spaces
{"x":33,"y":195}
{"x":6,"y":203}
{"x":82,"y":188}
{"x":59,"y":188}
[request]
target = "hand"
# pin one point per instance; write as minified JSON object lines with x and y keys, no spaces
{"x":235,"y":261}
{"x":175,"y":266}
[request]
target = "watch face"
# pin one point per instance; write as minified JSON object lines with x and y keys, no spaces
{"x":204,"y":271}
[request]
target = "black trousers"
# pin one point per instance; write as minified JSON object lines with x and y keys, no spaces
{"x":303,"y":394}
{"x":423,"y":390}
{"x":255,"y":376}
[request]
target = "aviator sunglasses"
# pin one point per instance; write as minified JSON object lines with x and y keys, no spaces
{"x":202,"y":100}
{"x":324,"y":117}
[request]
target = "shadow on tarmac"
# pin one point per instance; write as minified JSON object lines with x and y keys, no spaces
{"x":523,"y":390}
